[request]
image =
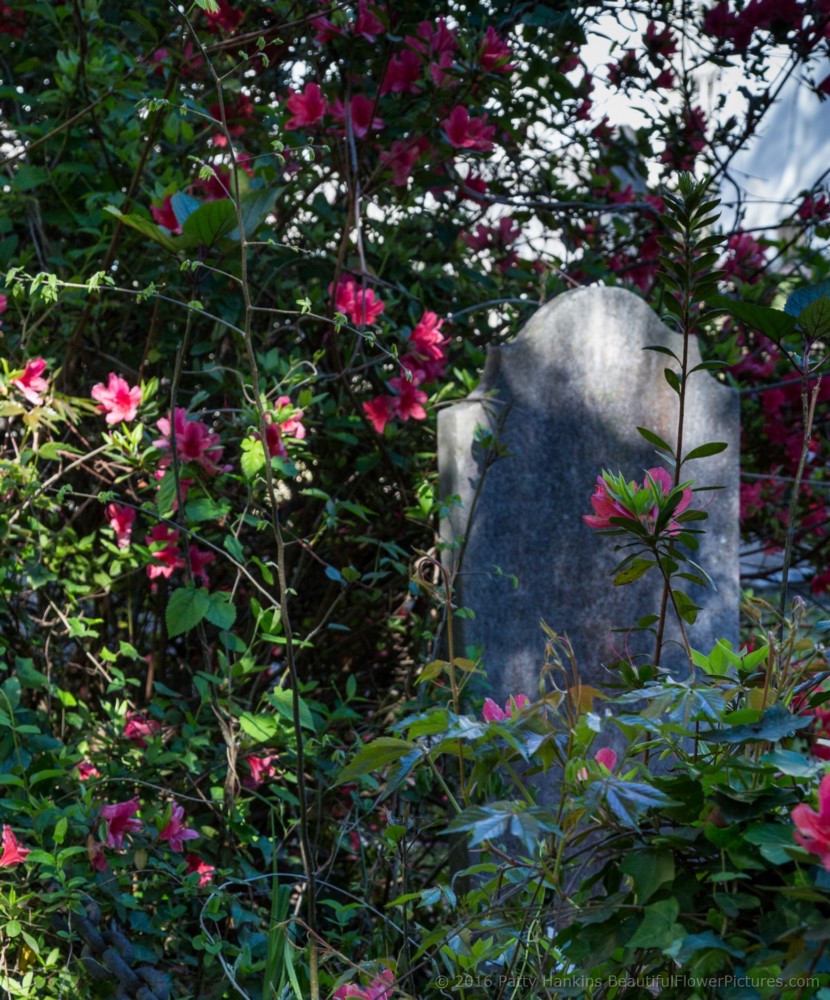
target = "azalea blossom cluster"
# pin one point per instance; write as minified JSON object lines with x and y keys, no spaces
{"x":615,"y":498}
{"x":30,"y":382}
{"x":492,"y":713}
{"x":380,"y":988}
{"x":424,"y":361}
{"x":427,"y":58}
{"x":812,"y":828}
{"x":121,"y":820}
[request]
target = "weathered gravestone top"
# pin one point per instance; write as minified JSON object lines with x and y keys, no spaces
{"x":566,"y":398}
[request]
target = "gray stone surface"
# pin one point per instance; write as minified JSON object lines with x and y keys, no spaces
{"x":565,"y":398}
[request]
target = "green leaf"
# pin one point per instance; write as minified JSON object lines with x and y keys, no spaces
{"x":774,"y":323}
{"x":635,"y":569}
{"x":259,"y":727}
{"x":775,"y":724}
{"x":656,"y":440}
{"x":221,"y":611}
{"x":704,"y":450}
{"x":658,"y":928}
{"x":208,"y":224}
{"x":661,"y":350}
{"x":673,"y":379}
{"x":686,"y":607}
{"x":184,"y":205}
{"x":146,"y":227}
{"x":186,"y":607}
{"x":252,"y":461}
{"x":254,"y":207}
{"x":60,"y":830}
{"x":794,"y":764}
{"x":815,"y":319}
{"x":373,"y":756}
{"x":629,"y":800}
{"x":649,"y":870}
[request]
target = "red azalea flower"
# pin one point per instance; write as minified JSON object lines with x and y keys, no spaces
{"x":166,"y":559}
{"x":366,"y":24}
{"x":361,"y":114}
{"x":139,"y":725}
{"x":199,"y":562}
{"x":121,"y":520}
{"x":30,"y":383}
{"x":403,"y":74}
{"x":86,"y":770}
{"x":175,"y":831}
{"x":492,"y":713}
{"x":494,"y":53}
{"x":165,"y":216}
{"x":194,"y":442}
{"x":378,"y":989}
{"x":306,"y":108}
{"x":119,"y":820}
{"x":359,"y":306}
{"x":195,"y":864}
{"x":464,"y":132}
{"x":410,"y":400}
{"x":380,"y":411}
{"x":13,"y":851}
{"x":812,"y":829}
{"x":262,"y":768}
{"x":117,"y":399}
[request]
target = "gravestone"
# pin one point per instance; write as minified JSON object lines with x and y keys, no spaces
{"x":565,"y":399}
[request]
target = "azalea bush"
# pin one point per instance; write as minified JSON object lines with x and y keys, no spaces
{"x":248,"y":251}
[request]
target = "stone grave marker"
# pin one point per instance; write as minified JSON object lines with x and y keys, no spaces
{"x":565,"y":399}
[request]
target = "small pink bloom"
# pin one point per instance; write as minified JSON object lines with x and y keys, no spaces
{"x":139,"y":725}
{"x":361,"y":113}
{"x":380,"y":411}
{"x":225,"y":19}
{"x":199,"y":562}
{"x":119,"y":820}
{"x":401,"y":158}
{"x":606,"y":757}
{"x":464,"y":132}
{"x":86,"y":770}
{"x":262,"y":768}
{"x":117,"y":399}
{"x":195,"y":864}
{"x":378,"y":989}
{"x":194,"y":442}
{"x":13,"y":851}
{"x":307,"y":108}
{"x":492,"y":713}
{"x":813,"y":828}
{"x":121,"y":520}
{"x":403,"y":74}
{"x":494,"y":54}
{"x":366,"y":24}
{"x":607,"y":506}
{"x":324,"y":29}
{"x":30,"y":383}
{"x":175,"y":831}
{"x":410,"y":400}
{"x":165,"y":216}
{"x":95,"y":852}
{"x":359,"y":306}
{"x":167,"y":558}
{"x":283,"y":426}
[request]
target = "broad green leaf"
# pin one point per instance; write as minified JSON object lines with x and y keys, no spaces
{"x":792,"y":763}
{"x":801,"y":298}
{"x":649,"y":870}
{"x":183,"y":205}
{"x":629,"y":800}
{"x":208,"y":224}
{"x":254,"y":207}
{"x":658,"y":928}
{"x":635,"y":569}
{"x":221,"y":611}
{"x":775,"y":724}
{"x":673,"y":379}
{"x":656,"y":440}
{"x":373,"y":756}
{"x":186,"y":607}
{"x":704,"y":450}
{"x":774,"y":323}
{"x":259,"y":727}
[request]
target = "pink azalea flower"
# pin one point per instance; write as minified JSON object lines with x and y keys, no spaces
{"x":194,"y":442}
{"x":464,"y":132}
{"x":195,"y":864}
{"x":13,"y":851}
{"x":86,"y":770}
{"x":167,"y":558}
{"x":119,"y":820}
{"x":225,"y":19}
{"x":262,"y":768}
{"x":280,"y":427}
{"x":380,"y":411}
{"x":359,"y":306}
{"x":378,"y":989}
{"x":494,"y":53}
{"x":812,"y":829}
{"x":307,"y":108}
{"x":361,"y":113}
{"x":366,"y":24}
{"x":401,"y":157}
{"x":199,"y":562}
{"x":165,"y":216}
{"x":121,"y":520}
{"x":175,"y":831}
{"x":410,"y":399}
{"x":139,"y":725}
{"x":117,"y":399}
{"x":606,"y":757}
{"x":95,"y":852}
{"x":658,"y":482}
{"x":324,"y":29}
{"x":492,"y":713}
{"x":31,"y":383}
{"x":403,"y":74}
